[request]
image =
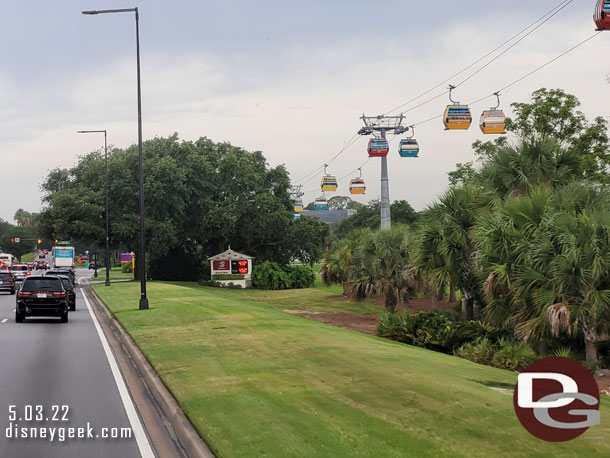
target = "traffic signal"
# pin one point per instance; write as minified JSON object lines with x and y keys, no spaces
{"x":39,"y":241}
{"x":12,"y":240}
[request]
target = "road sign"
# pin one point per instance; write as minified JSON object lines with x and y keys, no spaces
{"x":17,"y":240}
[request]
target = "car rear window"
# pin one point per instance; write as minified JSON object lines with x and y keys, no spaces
{"x":41,"y":284}
{"x":5,"y":275}
{"x":19,"y":268}
{"x":67,"y":283}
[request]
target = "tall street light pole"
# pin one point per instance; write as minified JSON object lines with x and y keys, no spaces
{"x":107,"y":261}
{"x":142,"y":254}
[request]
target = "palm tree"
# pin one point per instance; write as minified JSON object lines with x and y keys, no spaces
{"x":446,"y":251}
{"x":337,"y":261}
{"x":547,"y":257}
{"x":516,"y":170}
{"x":378,"y":266}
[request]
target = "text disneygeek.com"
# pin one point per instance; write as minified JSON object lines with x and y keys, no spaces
{"x":21,"y":425}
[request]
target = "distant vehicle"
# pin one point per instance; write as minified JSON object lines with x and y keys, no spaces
{"x":41,"y":265}
{"x":7,"y":259}
{"x":63,"y":256}
{"x":42,"y":256}
{"x":45,"y":251}
{"x":95,"y":265}
{"x":20,"y":271}
{"x":68,"y":286}
{"x":69,"y":272}
{"x":7,"y":282}
{"x":42,"y":296}
{"x":31,"y":265}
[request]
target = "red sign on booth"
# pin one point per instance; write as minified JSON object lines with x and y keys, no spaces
{"x":221,"y":265}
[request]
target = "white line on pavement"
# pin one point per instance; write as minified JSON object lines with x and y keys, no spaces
{"x":134,"y":419}
{"x":4,"y":320}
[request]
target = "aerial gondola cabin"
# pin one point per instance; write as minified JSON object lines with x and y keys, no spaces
{"x":493,"y":122}
{"x":378,"y":147}
{"x":601,"y":15}
{"x":321,"y":204}
{"x":408,"y":147}
{"x":457,"y":117}
{"x":329,"y":183}
{"x":298,"y":205}
{"x":296,"y":216}
{"x":357,"y":186}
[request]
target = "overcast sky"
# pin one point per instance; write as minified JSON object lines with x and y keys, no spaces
{"x":289,"y":78}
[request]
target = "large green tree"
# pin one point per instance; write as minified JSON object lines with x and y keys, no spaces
{"x":200,"y":198}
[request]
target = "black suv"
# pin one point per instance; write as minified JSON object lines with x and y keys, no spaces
{"x":68,"y":286}
{"x":42,"y":296}
{"x":67,"y":271}
{"x":7,"y":282}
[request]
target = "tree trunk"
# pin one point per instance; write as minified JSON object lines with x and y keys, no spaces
{"x":433,"y":302}
{"x":463,"y":307}
{"x":590,"y":344}
{"x":345,"y":289}
{"x":452,"y":296}
{"x":390,"y":303}
{"x":440,"y":295}
{"x":469,"y":308}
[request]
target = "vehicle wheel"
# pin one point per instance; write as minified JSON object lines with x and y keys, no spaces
{"x":73,"y":307}
{"x":13,"y":291}
{"x":64,"y":317}
{"x":19,"y":318}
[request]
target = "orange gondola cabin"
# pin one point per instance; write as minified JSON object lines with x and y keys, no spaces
{"x":601,"y":15}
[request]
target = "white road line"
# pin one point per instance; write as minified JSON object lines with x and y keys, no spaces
{"x":134,"y":419}
{"x":4,"y":320}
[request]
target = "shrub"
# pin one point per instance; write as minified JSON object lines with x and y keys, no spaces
{"x":513,"y":355}
{"x":269,"y":275}
{"x":480,"y":351}
{"x":212,"y":283}
{"x":126,"y":268}
{"x":436,"y":330}
{"x":301,"y":277}
{"x":228,"y":277}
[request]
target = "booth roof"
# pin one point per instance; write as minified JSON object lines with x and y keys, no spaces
{"x":229,"y":254}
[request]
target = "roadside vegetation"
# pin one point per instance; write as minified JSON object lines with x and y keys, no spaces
{"x":258,"y":382}
{"x":522,"y":237}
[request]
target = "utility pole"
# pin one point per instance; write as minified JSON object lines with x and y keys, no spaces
{"x":383,"y":124}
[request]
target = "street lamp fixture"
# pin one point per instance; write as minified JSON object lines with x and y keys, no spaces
{"x":107,"y":260}
{"x":142,"y":254}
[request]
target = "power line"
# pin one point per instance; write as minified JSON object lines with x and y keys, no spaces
{"x":562,"y":5}
{"x":312,"y":175}
{"x":515,"y":43}
{"x":522,"y":77}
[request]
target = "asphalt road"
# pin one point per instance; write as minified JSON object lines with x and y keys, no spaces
{"x":60,"y":374}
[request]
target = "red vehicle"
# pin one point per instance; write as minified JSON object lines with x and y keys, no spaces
{"x":45,"y":251}
{"x":601,"y":15}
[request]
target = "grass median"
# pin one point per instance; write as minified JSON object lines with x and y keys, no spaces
{"x":256,"y":381}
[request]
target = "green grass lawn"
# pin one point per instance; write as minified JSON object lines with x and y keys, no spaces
{"x":317,"y":299}
{"x":259,"y":382}
{"x":27,"y":257}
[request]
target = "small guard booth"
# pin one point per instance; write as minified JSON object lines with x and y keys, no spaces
{"x":232,"y":267}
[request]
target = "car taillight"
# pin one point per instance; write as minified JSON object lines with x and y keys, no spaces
{"x":59,"y":294}
{"x":28,"y":273}
{"x":25,"y":293}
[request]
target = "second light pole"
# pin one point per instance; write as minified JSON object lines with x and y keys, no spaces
{"x":142,"y":254}
{"x":107,"y":260}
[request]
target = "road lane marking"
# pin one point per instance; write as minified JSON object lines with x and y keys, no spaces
{"x":132,"y":415}
{"x":4,"y":320}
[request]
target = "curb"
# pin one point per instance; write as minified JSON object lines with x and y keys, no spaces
{"x":175,"y":421}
